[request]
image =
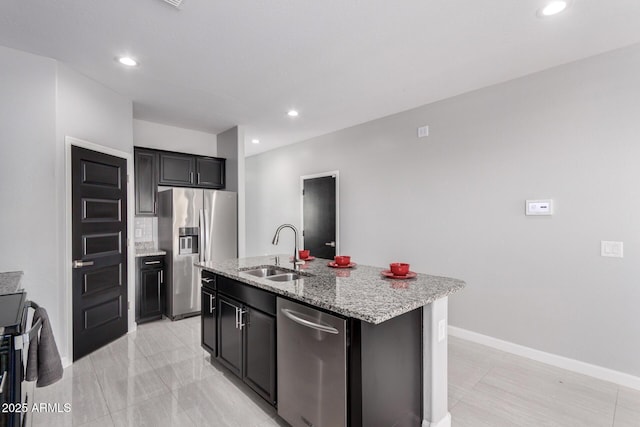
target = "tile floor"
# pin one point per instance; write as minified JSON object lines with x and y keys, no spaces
{"x":159,"y":376}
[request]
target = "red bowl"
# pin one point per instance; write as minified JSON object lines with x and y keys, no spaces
{"x":304,"y":253}
{"x":342,"y":260}
{"x":399,"y":268}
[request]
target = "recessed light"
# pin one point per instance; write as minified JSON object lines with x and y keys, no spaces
{"x":255,"y":141}
{"x":553,"y":8}
{"x":128,"y":61}
{"x":292,"y":113}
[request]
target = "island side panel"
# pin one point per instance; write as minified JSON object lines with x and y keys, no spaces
{"x":387,"y":372}
{"x":434,"y":326}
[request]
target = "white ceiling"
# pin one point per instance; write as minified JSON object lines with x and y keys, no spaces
{"x":215,"y":64}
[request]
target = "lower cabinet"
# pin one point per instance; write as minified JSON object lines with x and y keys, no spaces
{"x":247,"y":335}
{"x":259,"y":358}
{"x":230,"y":334}
{"x":150,"y":289}
{"x":209,"y":321}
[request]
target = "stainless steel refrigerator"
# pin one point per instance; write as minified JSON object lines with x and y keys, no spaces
{"x":194,"y":225}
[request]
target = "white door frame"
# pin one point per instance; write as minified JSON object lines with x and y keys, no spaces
{"x":336,"y":174}
{"x":68,"y":255}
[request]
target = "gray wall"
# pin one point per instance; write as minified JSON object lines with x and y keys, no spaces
{"x":172,"y":138}
{"x":29,"y":214}
{"x":231,"y":147}
{"x":453,"y":204}
{"x":41,"y":102}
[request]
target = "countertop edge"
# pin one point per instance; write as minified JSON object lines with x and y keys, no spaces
{"x":339,"y":310}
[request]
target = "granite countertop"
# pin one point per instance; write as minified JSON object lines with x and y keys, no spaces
{"x":360,"y":292}
{"x":149,"y":252}
{"x":10,"y":282}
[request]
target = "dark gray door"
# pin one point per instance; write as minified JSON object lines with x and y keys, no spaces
{"x":99,"y":248}
{"x":319,"y":216}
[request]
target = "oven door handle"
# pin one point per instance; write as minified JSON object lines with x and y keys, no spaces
{"x":2,"y":382}
{"x":20,"y":341}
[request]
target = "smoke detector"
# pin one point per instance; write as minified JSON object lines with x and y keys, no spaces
{"x":174,"y":3}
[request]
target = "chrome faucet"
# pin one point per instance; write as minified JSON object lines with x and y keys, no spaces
{"x":297,"y":262}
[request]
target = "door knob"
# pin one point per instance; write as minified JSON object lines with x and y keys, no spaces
{"x":332,"y":244}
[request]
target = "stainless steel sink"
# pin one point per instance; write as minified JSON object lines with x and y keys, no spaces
{"x":284,"y":277}
{"x":264,"y":271}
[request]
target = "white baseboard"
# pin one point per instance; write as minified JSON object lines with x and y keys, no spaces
{"x":66,"y":362}
{"x":573,"y":365}
{"x":445,"y":422}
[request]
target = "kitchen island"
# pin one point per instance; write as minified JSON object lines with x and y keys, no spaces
{"x":397,"y":345}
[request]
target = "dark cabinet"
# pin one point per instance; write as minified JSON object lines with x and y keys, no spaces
{"x":210,"y":172}
{"x":158,"y":167}
{"x":146,"y":181}
{"x":229,"y":334}
{"x":259,"y":359}
{"x":177,"y":169}
{"x":150,"y":301}
{"x":247,"y":335}
{"x":209,"y":321}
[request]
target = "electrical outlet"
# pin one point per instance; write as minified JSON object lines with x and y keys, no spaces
{"x":612,"y":249}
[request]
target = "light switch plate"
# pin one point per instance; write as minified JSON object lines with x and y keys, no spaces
{"x":539,"y":207}
{"x":612,"y":249}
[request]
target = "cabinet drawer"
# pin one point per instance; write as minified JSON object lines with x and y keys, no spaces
{"x":151,"y":262}
{"x":256,"y":298}
{"x":208,"y":280}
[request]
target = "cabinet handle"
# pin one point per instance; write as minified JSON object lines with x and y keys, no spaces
{"x":151,"y":262}
{"x":198,"y":177}
{"x":237,"y":321}
{"x":191,"y":176}
{"x":161,"y":276}
{"x":207,"y":279}
{"x":211,"y":307}
{"x":240,"y":314}
{"x":159,"y":282}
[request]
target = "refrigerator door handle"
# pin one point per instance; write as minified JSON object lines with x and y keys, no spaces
{"x":201,"y":236}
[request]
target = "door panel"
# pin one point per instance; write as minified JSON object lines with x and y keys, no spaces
{"x":319,"y":216}
{"x":209,"y":333}
{"x":260,"y":353}
{"x":221,"y":219}
{"x":99,"y":233}
{"x":229,"y":335}
{"x":102,"y":279}
{"x":99,"y":210}
{"x":151,"y":303}
{"x":210,"y":172}
{"x":146,"y":181}
{"x":176,"y":169}
{"x":97,"y":245}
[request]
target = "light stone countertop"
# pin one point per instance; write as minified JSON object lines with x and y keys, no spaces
{"x":360,"y":292}
{"x":149,"y":252}
{"x":10,"y":282}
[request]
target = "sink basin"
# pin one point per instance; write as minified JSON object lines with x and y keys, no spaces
{"x":272,"y":272}
{"x":284,"y":277}
{"x":265,"y":271}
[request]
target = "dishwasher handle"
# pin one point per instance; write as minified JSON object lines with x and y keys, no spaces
{"x":323,"y":328}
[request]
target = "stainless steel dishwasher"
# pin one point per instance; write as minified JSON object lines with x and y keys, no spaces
{"x":312,"y":366}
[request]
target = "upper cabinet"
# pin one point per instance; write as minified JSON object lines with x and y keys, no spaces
{"x":146,"y":181}
{"x":210,"y":172}
{"x":158,"y":167}
{"x":177,"y":169}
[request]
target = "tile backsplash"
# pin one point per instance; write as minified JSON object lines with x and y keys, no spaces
{"x":146,"y":231}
